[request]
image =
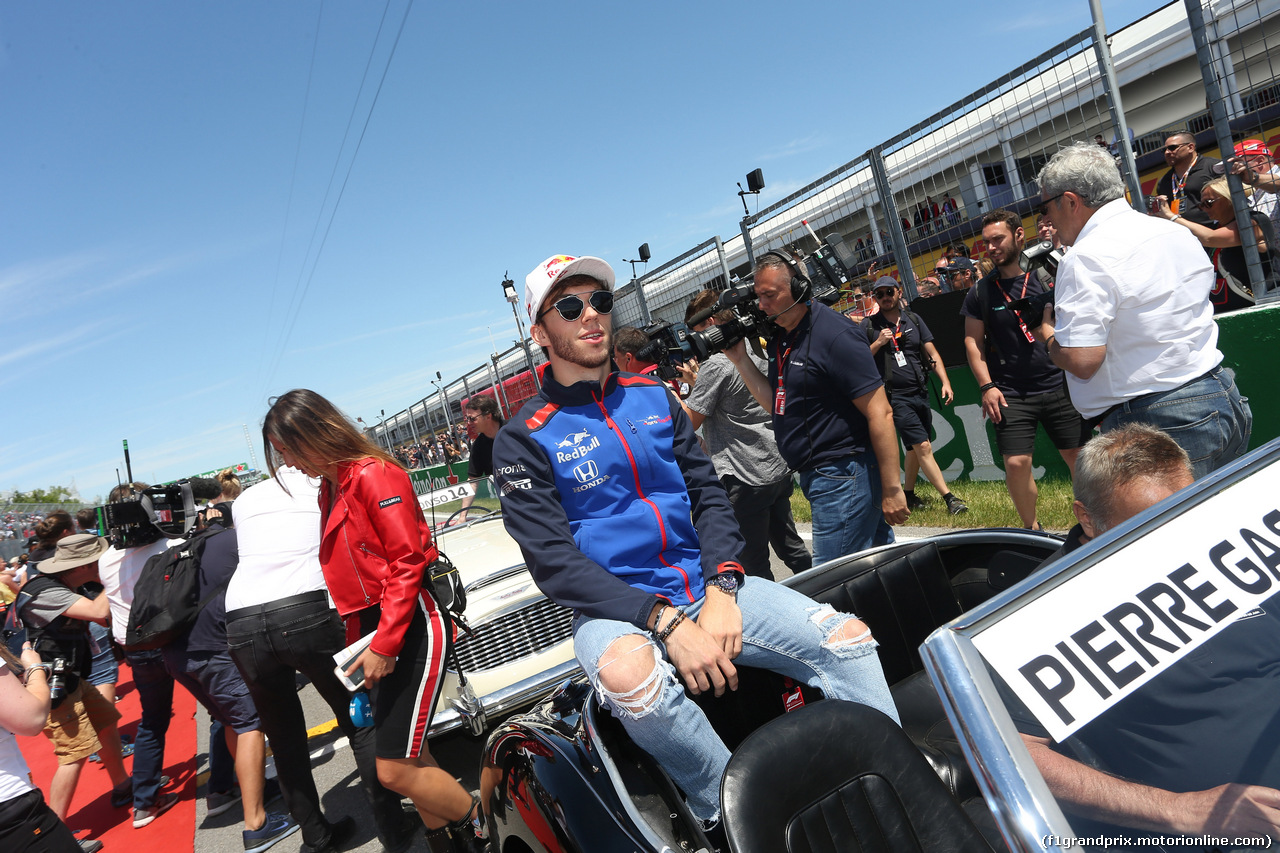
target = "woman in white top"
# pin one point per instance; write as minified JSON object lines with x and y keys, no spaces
{"x":27,"y":824}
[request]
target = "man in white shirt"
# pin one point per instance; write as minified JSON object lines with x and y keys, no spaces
{"x":280,"y":620}
{"x":119,"y":569}
{"x":1134,"y":329}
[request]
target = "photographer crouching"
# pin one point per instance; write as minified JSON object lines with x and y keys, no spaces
{"x":1133,"y":327}
{"x":57,"y":616}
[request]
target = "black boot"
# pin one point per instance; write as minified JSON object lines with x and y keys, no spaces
{"x":465,"y":839}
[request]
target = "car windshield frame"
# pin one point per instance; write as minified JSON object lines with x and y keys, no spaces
{"x":1027,"y":814}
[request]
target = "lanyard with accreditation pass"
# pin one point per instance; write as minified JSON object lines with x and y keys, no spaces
{"x":1021,"y":325}
{"x":780,"y":396}
{"x":898,"y":355}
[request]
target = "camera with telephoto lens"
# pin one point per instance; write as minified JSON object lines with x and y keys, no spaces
{"x":58,"y":679}
{"x":159,"y":512}
{"x":670,"y":344}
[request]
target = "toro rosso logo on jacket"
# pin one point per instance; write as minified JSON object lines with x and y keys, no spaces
{"x":578,"y":445}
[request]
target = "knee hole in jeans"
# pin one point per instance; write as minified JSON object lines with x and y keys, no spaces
{"x":636,"y":680}
{"x":843,"y":631}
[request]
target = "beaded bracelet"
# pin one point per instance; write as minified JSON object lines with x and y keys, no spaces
{"x":657,"y":620}
{"x":671,"y":626}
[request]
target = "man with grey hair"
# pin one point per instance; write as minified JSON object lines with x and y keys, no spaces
{"x":1133,"y":327}
{"x":1118,"y":475}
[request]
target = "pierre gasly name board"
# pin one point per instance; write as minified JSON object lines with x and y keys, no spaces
{"x":1084,"y":645}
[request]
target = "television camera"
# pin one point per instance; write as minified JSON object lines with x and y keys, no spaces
{"x":828,"y":270}
{"x":144,"y":517}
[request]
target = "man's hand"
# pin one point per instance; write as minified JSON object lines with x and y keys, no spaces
{"x":687,"y":372}
{"x":947,"y":394}
{"x":1045,"y":330}
{"x":882,"y":340}
{"x":376,"y":666}
{"x":894,"y":505}
{"x":700,"y":660}
{"x":737,"y":352}
{"x":992,"y":402}
{"x":721,"y":618}
{"x":1236,"y":810}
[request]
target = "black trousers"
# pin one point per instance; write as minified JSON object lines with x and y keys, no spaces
{"x":764,"y":514}
{"x":28,"y":825}
{"x":302,"y":634}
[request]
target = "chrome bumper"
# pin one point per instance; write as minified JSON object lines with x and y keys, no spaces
{"x":466,"y":712}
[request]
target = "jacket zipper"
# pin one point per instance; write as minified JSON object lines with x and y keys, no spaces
{"x":635,"y":473}
{"x":352,"y":558}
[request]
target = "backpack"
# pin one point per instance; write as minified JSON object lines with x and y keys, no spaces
{"x":166,"y":598}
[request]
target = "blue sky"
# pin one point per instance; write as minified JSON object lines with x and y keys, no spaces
{"x":171,"y":170}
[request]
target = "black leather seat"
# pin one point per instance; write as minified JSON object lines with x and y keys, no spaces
{"x":839,"y":776}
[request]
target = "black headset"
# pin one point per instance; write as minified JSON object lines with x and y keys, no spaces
{"x":801,"y":287}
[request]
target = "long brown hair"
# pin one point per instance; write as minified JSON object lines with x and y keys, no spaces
{"x":317,"y":431}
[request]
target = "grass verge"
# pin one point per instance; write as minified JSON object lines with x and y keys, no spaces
{"x":989,"y":505}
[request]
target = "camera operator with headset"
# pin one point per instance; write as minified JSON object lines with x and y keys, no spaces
{"x":81,"y":721}
{"x":1134,"y":328}
{"x":831,"y":416}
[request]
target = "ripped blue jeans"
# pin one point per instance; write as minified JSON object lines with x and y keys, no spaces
{"x":782,"y":631}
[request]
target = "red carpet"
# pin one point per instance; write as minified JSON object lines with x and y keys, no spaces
{"x":91,"y":814}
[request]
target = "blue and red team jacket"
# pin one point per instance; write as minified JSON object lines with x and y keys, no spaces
{"x":611,"y":500}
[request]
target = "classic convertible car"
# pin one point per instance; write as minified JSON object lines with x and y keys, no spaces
{"x":565,"y":777}
{"x":518,"y":648}
{"x":1163,"y":629}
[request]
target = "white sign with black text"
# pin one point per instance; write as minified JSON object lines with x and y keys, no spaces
{"x":1083,"y":646}
{"x":443,"y":496}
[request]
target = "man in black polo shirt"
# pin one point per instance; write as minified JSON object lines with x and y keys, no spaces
{"x":831,"y":417}
{"x":1187,"y":175}
{"x":1019,"y":385}
{"x":482,"y":411}
{"x":901,"y":344}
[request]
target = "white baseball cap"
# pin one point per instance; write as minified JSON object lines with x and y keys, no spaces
{"x":540,"y":282}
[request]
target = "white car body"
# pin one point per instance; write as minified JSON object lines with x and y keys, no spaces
{"x":521,"y":648}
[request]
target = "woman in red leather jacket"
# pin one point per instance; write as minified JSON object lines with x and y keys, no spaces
{"x":375,"y":549}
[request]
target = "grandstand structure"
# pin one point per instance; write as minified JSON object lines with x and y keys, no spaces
{"x":930,"y":185}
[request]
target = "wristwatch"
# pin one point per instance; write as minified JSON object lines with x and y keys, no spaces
{"x":727,"y":582}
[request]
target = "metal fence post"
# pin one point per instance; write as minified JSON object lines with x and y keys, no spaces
{"x":1112,"y":88}
{"x":499,"y":391}
{"x":1222,"y":130}
{"x":906,"y":276}
{"x":724,"y":261}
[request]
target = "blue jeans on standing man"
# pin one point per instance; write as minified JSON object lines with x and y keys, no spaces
{"x":1207,"y":417}
{"x":782,"y":631}
{"x":844,"y":498}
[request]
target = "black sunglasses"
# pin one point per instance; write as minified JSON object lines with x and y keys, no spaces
{"x":571,"y":307}
{"x":880,"y":293}
{"x":1043,"y":207}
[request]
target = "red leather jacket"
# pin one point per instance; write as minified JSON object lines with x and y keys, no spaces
{"x":375,"y":546}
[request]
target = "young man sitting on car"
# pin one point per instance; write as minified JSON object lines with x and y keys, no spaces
{"x":620,"y":517}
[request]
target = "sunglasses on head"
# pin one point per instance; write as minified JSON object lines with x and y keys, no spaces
{"x":571,"y":307}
